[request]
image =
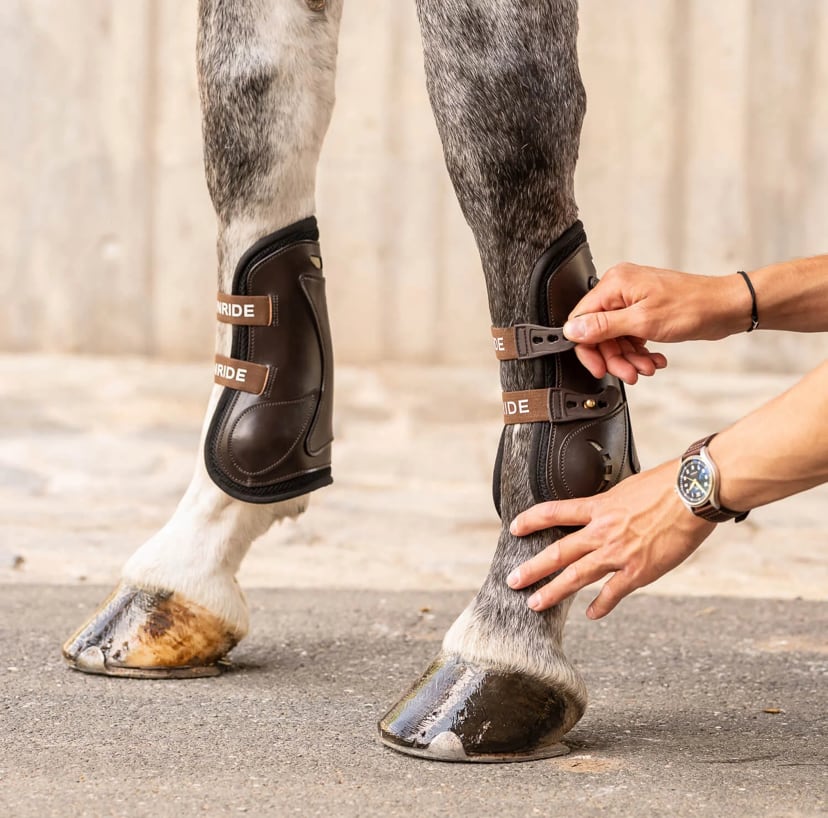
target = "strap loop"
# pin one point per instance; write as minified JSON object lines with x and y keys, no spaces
{"x":557,"y":405}
{"x":244,"y":310}
{"x":242,"y":375}
{"x":525,"y":341}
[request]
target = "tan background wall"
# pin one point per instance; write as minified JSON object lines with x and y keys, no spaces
{"x":705,"y":148}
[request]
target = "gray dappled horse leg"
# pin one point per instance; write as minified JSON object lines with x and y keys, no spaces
{"x":266,"y":75}
{"x":505,"y":87}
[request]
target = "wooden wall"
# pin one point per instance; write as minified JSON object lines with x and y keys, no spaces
{"x":705,"y":148}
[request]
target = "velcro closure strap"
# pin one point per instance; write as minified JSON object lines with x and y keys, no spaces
{"x":244,"y":310}
{"x":524,"y":341}
{"x":558,"y":405}
{"x":242,"y":375}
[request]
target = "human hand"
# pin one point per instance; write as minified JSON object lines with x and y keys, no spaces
{"x":632,"y":305}
{"x":637,"y":531}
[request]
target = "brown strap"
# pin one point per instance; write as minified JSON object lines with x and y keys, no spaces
{"x":242,"y":375}
{"x":523,"y":341}
{"x":713,"y":514}
{"x":244,"y":310}
{"x":558,"y":405}
{"x":695,"y":448}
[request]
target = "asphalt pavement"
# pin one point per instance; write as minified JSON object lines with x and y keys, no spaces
{"x":698,"y":706}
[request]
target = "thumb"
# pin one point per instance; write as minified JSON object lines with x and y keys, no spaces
{"x":595,"y":327}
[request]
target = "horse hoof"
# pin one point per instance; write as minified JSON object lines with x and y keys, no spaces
{"x":150,"y":635}
{"x":459,"y":711}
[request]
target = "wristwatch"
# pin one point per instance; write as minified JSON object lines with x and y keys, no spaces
{"x":697,"y":484}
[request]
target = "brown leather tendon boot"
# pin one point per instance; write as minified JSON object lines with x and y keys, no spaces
{"x":582,"y":439}
{"x":270,"y":437}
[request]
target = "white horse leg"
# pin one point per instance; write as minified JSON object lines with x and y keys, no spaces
{"x":266,"y":75}
{"x":507,"y":96}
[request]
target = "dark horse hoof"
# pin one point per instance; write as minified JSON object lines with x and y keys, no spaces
{"x":459,"y":711}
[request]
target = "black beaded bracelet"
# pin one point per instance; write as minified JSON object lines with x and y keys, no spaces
{"x":754,"y":312}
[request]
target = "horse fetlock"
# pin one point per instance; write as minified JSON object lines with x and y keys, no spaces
{"x":151,"y":634}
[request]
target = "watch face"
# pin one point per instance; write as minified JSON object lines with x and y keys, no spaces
{"x":695,"y":482}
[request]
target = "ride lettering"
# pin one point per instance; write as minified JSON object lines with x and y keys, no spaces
{"x":516,"y":407}
{"x":236,"y":310}
{"x":231,"y":373}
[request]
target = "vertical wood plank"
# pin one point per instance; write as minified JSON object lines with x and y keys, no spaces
{"x":411,"y":199}
{"x":183,"y":224}
{"x":79,"y":119}
{"x":352,"y":181}
{"x":20,"y":301}
{"x":813,"y":203}
{"x":625,"y":181}
{"x":782,"y":91}
{"x":787,"y":95}
{"x":715,"y":237}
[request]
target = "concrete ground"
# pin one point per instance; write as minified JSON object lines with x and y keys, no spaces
{"x":708,"y":692}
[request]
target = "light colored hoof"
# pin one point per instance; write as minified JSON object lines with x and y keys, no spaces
{"x":459,"y":711}
{"x":150,"y":635}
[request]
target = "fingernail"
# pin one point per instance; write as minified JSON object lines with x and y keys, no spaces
{"x":590,"y":612}
{"x":575,"y":329}
{"x":533,"y":601}
{"x":513,"y":578}
{"x":513,"y":527}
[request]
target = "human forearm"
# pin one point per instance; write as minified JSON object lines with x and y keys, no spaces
{"x":790,"y":295}
{"x":778,"y":450}
{"x":793,"y":295}
{"x":632,"y":304}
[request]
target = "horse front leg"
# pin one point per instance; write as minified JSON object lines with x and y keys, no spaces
{"x":266,"y":76}
{"x":505,"y":87}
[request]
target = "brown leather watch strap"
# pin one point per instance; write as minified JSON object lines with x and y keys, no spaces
{"x":244,"y":310}
{"x":558,"y":405}
{"x":695,"y":448}
{"x":242,"y":375}
{"x":712,"y":514}
{"x":524,"y":341}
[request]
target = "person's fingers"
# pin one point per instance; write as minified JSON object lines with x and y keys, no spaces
{"x":554,"y":557}
{"x":555,"y":512}
{"x":632,"y":348}
{"x":637,"y":356}
{"x":592,"y":360}
{"x":640,"y":345}
{"x":659,"y":360}
{"x":616,"y":363}
{"x":612,"y":592}
{"x":575,"y":576}
{"x":595,"y":327}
